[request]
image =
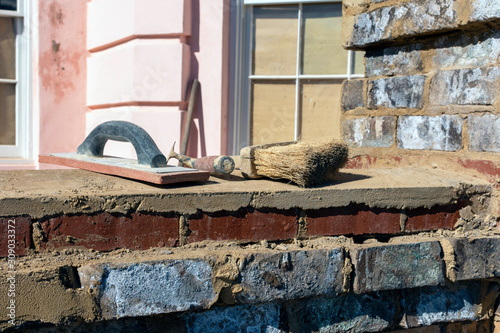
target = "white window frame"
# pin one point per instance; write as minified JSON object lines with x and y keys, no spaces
{"x":21,"y":152}
{"x":241,"y":78}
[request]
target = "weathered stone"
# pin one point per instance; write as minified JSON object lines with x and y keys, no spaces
{"x":485,"y":10}
{"x":467,"y":51}
{"x":291,"y":275}
{"x":369,"y":132}
{"x":404,"y":60}
{"x":436,"y":133}
{"x":484,"y":132}
{"x":474,"y":86}
{"x":243,"y":318}
{"x":396,"y":92}
{"x":373,"y":312}
{"x":426,"y":306}
{"x":142,"y":289}
{"x":395,"y":22}
{"x":397,"y":266}
{"x":353,"y":94}
{"x":476,"y":258}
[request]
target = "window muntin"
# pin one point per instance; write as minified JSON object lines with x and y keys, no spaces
{"x":296,"y":69}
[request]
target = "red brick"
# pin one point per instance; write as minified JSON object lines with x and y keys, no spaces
{"x":244,"y":225}
{"x":22,"y":235}
{"x":352,"y":220}
{"x":433,"y":219}
{"x":105,"y":232}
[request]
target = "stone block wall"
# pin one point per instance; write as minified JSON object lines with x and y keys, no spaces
{"x":430,"y":96}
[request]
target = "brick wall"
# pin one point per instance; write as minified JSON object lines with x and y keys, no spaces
{"x":431,"y":92}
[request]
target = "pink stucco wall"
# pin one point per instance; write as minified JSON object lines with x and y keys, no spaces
{"x":210,"y":66}
{"x":135,"y":47}
{"x":61,"y":72}
{"x":76,"y":89}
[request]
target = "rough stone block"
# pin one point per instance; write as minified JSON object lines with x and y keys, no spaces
{"x":467,"y":51}
{"x":17,"y":229}
{"x":369,"y":132}
{"x":244,"y":225}
{"x":432,"y":219}
{"x":243,"y":318}
{"x":476,"y":258}
{"x":404,"y":60}
{"x":143,"y":289}
{"x":395,"y":22}
{"x":352,"y":220}
{"x":484,"y":132}
{"x":106,"y":232}
{"x":291,"y":275}
{"x":397,"y":266}
{"x":435,"y":133}
{"x":485,"y":10}
{"x":396,"y":92}
{"x":353,"y":92}
{"x":426,"y":306}
{"x":472,"y":86}
{"x":372,"y":312}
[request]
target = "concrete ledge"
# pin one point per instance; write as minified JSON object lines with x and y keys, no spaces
{"x":40,"y":194}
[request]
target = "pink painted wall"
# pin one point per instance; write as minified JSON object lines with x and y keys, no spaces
{"x":64,"y":67}
{"x":62,"y":74}
{"x":210,"y":65}
{"x":186,"y":41}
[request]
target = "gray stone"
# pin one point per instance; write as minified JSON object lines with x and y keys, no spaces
{"x":143,"y":289}
{"x":372,"y":312}
{"x":476,"y":258}
{"x":353,"y":92}
{"x":397,"y":266}
{"x":426,"y":306}
{"x":467,"y":52}
{"x":404,"y":60}
{"x":485,"y":10}
{"x":243,"y":318}
{"x":291,"y":275}
{"x":484,"y":132}
{"x":435,"y":133}
{"x":369,"y":132}
{"x":474,"y":86}
{"x":396,"y":92}
{"x":407,"y":20}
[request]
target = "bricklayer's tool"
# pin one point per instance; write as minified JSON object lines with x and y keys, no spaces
{"x":215,"y":164}
{"x":150,"y":166}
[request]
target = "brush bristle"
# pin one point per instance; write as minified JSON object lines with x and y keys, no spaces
{"x":306,"y":163}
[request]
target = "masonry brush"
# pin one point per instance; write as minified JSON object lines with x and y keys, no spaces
{"x":306,"y":163}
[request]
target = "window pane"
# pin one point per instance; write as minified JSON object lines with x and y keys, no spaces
{"x":321,"y":109}
{"x":322,"y":50}
{"x":7,"y":114}
{"x":8,"y":4}
{"x":7,"y":49}
{"x":359,"y":62}
{"x":275,"y":40}
{"x":273,"y":105}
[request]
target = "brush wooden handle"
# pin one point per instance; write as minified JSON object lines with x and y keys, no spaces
{"x":215,"y":164}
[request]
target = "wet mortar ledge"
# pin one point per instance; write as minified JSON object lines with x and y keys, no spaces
{"x":74,"y":208}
